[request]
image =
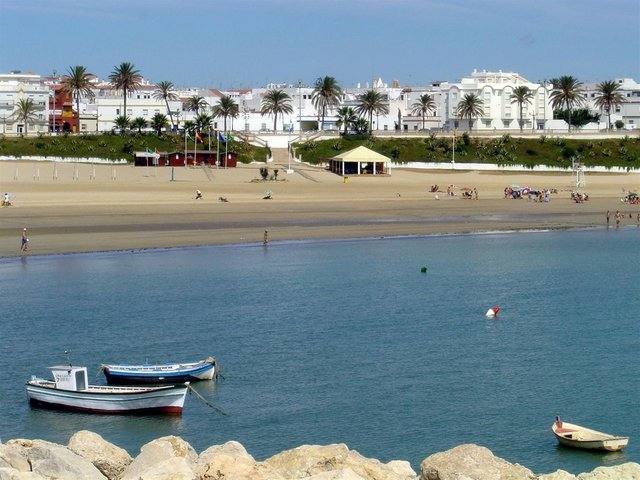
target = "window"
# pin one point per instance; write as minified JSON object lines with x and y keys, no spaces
{"x":617,"y":108}
{"x":117,"y":111}
{"x":415,"y":127}
{"x":83,"y":126}
{"x":386,"y":127}
{"x":406,"y":127}
{"x":630,"y":121}
{"x":145,"y":111}
{"x":129,"y":111}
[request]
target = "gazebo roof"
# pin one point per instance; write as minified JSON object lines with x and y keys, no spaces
{"x":361,"y":154}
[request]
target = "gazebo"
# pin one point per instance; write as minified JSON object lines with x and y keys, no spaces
{"x":360,"y":161}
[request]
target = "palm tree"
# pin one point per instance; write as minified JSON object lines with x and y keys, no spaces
{"x":275,"y":101}
{"x":77,"y":82}
{"x":195,"y":103}
{"x":520,"y":95}
{"x":370,"y":103}
{"x":567,"y":91}
{"x":125,"y":77}
{"x":26,"y":111}
{"x":607,"y":97}
{"x":122,"y":122}
{"x":326,"y":93}
{"x":226,"y":107}
{"x":164,"y":92}
{"x":138,"y":123}
{"x":158,"y":122}
{"x":470,"y":107}
{"x":203,"y":122}
{"x":423,"y":106}
{"x":361,"y":125}
{"x":346,"y":118}
{"x":189,"y":126}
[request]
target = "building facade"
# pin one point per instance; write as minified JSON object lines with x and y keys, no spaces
{"x":499,"y":110}
{"x":17,"y":86}
{"x":628,"y":112}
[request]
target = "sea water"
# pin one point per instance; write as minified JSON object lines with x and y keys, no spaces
{"x":347,"y":341}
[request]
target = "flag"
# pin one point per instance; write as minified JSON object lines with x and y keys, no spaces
{"x":221,"y":138}
{"x":198,"y":137}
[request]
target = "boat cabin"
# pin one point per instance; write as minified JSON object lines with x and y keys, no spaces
{"x":68,"y":377}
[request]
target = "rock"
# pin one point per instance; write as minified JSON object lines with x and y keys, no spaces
{"x":106,"y":457}
{"x":13,"y":474}
{"x":625,"y":471}
{"x":471,"y":462}
{"x":557,"y":475}
{"x":176,"y":468}
{"x":55,"y":461}
{"x":12,"y":457}
{"x":168,"y":452}
{"x":342,"y":474}
{"x":309,"y":460}
{"x":231,"y":461}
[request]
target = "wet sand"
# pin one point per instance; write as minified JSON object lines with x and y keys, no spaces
{"x":141,"y":208}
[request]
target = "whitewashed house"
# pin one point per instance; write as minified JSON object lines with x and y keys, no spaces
{"x":15,"y":86}
{"x":500,"y":112}
{"x":628,"y":112}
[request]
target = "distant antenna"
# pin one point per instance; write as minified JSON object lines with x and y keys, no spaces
{"x":68,"y":353}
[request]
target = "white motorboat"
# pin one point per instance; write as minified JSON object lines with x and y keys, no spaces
{"x":70,"y":390}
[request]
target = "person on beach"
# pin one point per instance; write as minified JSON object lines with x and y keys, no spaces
{"x":24,"y":245}
{"x":475,"y":193}
{"x":198,"y":194}
{"x":265,"y":238}
{"x":638,"y":219}
{"x":608,"y":217}
{"x":6,"y":200}
{"x":618,"y":218}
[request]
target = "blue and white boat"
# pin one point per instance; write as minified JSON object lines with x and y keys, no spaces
{"x":206,"y":369}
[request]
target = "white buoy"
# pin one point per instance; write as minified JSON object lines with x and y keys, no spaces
{"x":493,"y":312}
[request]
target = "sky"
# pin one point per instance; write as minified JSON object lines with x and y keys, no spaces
{"x":236,"y":43}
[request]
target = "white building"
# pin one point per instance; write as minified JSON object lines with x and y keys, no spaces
{"x":500,"y":112}
{"x":628,"y":112}
{"x":15,"y":86}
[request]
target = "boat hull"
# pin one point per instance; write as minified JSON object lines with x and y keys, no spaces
{"x":604,"y":445}
{"x":115,"y":376}
{"x":169,"y":400}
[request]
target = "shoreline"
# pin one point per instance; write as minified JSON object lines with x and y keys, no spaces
{"x":310,"y":241}
{"x":83,"y":210}
{"x":89,"y":455}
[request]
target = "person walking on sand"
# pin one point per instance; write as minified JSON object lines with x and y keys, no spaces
{"x":198,"y":194}
{"x":475,"y":193}
{"x":618,"y":218}
{"x":608,"y":217}
{"x":265,"y":238}
{"x":24,"y":245}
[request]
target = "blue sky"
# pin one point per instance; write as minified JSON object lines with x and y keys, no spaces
{"x":227,"y":43}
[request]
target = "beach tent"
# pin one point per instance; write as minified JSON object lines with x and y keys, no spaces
{"x":360,"y":161}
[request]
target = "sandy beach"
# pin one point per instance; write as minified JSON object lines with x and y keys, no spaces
{"x":128,"y":207}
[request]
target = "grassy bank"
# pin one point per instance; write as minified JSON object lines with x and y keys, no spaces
{"x":114,"y":147}
{"x":506,"y":150}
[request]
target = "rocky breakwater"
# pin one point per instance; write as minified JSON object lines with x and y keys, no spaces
{"x":88,"y":456}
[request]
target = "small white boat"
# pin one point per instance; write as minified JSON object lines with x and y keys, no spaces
{"x":71,"y":391}
{"x":576,"y":436}
{"x":205,"y":369}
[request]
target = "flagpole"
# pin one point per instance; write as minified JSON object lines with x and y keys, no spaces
{"x":195,"y":146}
{"x":185,"y":145}
{"x":226,"y":143}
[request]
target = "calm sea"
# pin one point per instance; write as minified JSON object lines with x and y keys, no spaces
{"x":348,"y":341}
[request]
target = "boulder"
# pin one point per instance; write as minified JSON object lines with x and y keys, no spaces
{"x":168,"y":452}
{"x":175,"y":468}
{"x":55,"y":461}
{"x":308,"y":460}
{"x":625,"y":471}
{"x":471,"y":462}
{"x":13,"y":474}
{"x":12,"y":457}
{"x":557,"y":475}
{"x":342,"y":474}
{"x":106,"y":457}
{"x":231,"y":461}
